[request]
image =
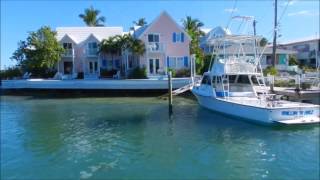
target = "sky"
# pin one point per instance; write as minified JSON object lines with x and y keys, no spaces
{"x":298,"y":18}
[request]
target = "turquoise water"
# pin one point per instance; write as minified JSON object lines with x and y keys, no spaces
{"x":124,"y":138}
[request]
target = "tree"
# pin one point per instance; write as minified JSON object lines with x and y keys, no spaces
{"x":140,"y":22}
{"x":263,"y":42}
{"x":192,"y":27}
{"x":40,"y":52}
{"x":293,"y":60}
{"x":117,"y":44}
{"x":109,"y":46}
{"x":90,"y":17}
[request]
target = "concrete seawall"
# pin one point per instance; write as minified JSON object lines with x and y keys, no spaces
{"x":132,"y":84}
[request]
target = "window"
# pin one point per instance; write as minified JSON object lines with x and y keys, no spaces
{"x":214,"y":81}
{"x":153,"y":38}
{"x":185,"y":61}
{"x":68,"y":49}
{"x":232,"y":78}
{"x":180,"y":63}
{"x":104,"y":63}
{"x":92,"y":48}
{"x":243,"y":79}
{"x":206,"y":80}
{"x":92,"y":45}
{"x":117,"y":63}
{"x":67,"y":45}
{"x":178,"y":37}
{"x":172,"y":62}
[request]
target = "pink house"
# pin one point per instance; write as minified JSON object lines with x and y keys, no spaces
{"x":81,"y":44}
{"x":167,"y":46}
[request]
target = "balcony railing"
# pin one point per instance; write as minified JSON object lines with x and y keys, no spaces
{"x":92,"y":52}
{"x":68,"y":53}
{"x":155,"y":47}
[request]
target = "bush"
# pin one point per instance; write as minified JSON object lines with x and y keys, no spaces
{"x":270,"y":70}
{"x":284,"y":83}
{"x":308,"y":69}
{"x":293,"y":60}
{"x":182,"y":73}
{"x":10,"y":73}
{"x":305,"y":85}
{"x":80,"y":75}
{"x":138,"y":73}
{"x":107,"y":73}
{"x":173,"y":72}
{"x":206,"y":63}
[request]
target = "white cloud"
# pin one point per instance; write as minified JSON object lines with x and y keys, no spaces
{"x":230,"y":10}
{"x":303,"y":13}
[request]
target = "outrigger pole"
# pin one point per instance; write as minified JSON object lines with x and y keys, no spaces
{"x":275,"y":29}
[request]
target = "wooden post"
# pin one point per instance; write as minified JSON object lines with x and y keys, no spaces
{"x":297,"y":82}
{"x":170,"y":91}
{"x":271,"y":80}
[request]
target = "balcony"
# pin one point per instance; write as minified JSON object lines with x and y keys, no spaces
{"x":155,"y":47}
{"x":68,"y":53}
{"x":92,"y":52}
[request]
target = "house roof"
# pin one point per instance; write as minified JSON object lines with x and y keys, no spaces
{"x":80,"y":34}
{"x":301,"y":40}
{"x":139,"y":32}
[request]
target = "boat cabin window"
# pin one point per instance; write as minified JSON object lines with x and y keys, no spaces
{"x":244,"y":79}
{"x":218,"y":79}
{"x":232,"y":78}
{"x":254,"y":80}
{"x":214,"y":78}
{"x":206,"y":80}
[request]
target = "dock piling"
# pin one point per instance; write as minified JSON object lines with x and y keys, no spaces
{"x":170,"y":91}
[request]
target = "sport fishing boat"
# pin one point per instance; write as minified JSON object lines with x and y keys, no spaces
{"x":232,"y":82}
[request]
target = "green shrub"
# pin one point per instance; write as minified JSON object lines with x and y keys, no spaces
{"x":107,"y":73}
{"x":270,"y":70}
{"x":182,"y":73}
{"x":173,"y":72}
{"x":308,"y":69}
{"x":10,"y":73}
{"x":138,"y":73}
{"x":206,"y":63}
{"x":305,"y":85}
{"x":284,"y":83}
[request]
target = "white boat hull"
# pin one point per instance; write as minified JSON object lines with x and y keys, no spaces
{"x":285,"y":115}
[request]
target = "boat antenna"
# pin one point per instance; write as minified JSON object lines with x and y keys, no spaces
{"x":275,"y":29}
{"x":231,"y":15}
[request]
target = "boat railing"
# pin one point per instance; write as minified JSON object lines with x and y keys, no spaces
{"x":240,"y":67}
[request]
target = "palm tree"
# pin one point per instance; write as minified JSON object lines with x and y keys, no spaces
{"x":117,"y":44}
{"x":192,"y":27}
{"x":140,"y":22}
{"x":109,"y":46}
{"x":90,"y":17}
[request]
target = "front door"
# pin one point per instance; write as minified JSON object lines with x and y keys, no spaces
{"x":67,"y":67}
{"x":93,"y":67}
{"x":154,"y":66}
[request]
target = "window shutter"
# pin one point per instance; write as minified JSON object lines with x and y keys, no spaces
{"x":174,"y":38}
{"x":167,"y":61}
{"x":186,"y":61}
{"x":182,"y":37}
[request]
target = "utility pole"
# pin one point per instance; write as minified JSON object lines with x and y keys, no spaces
{"x":254,"y":22}
{"x":274,"y":47}
{"x":254,"y":27}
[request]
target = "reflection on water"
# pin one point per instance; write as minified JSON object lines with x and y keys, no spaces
{"x":136,"y":138}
